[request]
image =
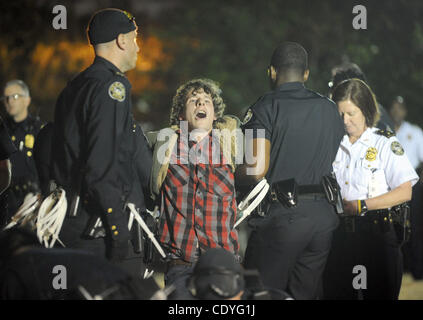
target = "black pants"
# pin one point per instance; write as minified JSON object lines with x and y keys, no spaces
{"x":178,"y":276}
{"x":372,"y":245}
{"x":9,"y":204}
{"x":71,"y":236}
{"x":291,"y":246}
{"x":413,"y":249}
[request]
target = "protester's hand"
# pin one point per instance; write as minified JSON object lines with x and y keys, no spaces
{"x":350,"y":207}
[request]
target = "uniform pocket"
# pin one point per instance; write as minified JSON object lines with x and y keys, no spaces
{"x":366,"y":168}
{"x":370,"y":165}
{"x":374,"y":178}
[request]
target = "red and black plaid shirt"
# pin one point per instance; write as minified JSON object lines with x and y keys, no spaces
{"x":198,"y":200}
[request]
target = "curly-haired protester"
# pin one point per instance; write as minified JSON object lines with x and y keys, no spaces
{"x":375,"y":177}
{"x":193,"y":179}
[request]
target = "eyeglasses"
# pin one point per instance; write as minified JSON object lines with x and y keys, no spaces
{"x":14,"y":96}
{"x":129,"y":15}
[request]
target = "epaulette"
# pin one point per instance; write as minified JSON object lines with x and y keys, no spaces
{"x":386,"y":133}
{"x":120,"y":74}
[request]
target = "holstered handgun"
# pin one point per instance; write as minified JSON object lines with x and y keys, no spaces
{"x":333,"y":192}
{"x":286,"y":192}
{"x":401,"y":219}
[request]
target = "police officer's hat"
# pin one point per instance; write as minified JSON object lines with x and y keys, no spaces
{"x":105,"y":25}
{"x":217,"y":275}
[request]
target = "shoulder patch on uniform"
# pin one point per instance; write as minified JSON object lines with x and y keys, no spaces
{"x":397,"y":148}
{"x":386,"y":133}
{"x":248,"y":116}
{"x":117,"y":91}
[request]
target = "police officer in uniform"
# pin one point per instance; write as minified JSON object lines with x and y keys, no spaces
{"x":349,"y":71}
{"x":94,"y":142}
{"x":296,"y":134}
{"x":23,"y":129}
{"x":375,"y":177}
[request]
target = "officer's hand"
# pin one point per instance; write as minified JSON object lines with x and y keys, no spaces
{"x":350,"y":207}
{"x":119,"y":249}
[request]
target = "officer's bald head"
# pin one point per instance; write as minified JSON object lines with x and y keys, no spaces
{"x":290,"y":61}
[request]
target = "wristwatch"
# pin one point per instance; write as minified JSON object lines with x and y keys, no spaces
{"x":362,"y":207}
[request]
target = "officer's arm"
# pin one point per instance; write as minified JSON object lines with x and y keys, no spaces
{"x":399,"y":175}
{"x":105,"y":133}
{"x":394,"y":197}
{"x":256,"y":162}
{"x":143,"y":158}
{"x":6,"y":150}
{"x":5,"y":174}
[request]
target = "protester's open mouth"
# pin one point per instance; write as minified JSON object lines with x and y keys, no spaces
{"x":201,"y":114}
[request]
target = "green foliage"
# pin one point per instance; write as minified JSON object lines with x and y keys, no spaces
{"x":232,"y":41}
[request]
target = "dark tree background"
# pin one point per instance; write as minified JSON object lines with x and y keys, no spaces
{"x":228,"y":41}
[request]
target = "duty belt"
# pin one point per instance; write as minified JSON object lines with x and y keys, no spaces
{"x":23,"y":186}
{"x":384,"y":220}
{"x":304,"y":192}
{"x":378,"y":219}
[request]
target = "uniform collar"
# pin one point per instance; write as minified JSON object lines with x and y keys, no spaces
{"x":11,"y":122}
{"x":107,"y":64}
{"x":289,"y":86}
{"x":404,"y":126}
{"x":366,"y":139}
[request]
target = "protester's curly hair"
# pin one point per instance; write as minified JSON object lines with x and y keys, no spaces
{"x":179,"y":100}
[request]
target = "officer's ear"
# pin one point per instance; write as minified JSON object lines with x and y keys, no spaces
{"x":121,"y":41}
{"x":272,"y":73}
{"x":306,"y":74}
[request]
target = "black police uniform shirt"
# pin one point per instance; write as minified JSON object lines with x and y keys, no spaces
{"x":23,"y":135}
{"x":93,"y":136}
{"x":304,"y":129}
{"x":42,"y":156}
{"x":7,"y":148}
{"x":142,"y":163}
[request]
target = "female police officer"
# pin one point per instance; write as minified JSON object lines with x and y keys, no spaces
{"x":374,"y":175}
